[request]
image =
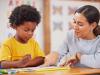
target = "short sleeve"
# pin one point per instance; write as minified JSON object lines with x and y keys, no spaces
{"x":38,"y":51}
{"x":5,"y":52}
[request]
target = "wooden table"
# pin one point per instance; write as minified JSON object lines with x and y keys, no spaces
{"x":72,"y":71}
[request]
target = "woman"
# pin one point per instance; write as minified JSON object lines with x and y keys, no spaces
{"x":82,"y":44}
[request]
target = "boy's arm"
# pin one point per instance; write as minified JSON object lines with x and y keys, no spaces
{"x":39,"y":60}
{"x":26,"y":61}
{"x":10,"y":64}
{"x":16,"y":64}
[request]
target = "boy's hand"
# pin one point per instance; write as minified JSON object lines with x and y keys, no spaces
{"x":23,"y":62}
{"x":37,"y":61}
{"x":26,"y":58}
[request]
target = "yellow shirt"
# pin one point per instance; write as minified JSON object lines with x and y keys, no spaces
{"x":11,"y":49}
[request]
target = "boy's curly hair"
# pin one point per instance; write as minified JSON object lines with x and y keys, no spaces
{"x":23,"y":14}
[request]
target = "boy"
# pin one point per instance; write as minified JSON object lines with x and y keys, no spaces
{"x":22,"y":50}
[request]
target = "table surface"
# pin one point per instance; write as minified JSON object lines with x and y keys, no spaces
{"x":72,"y":71}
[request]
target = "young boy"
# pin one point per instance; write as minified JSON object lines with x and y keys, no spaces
{"x":22,"y":50}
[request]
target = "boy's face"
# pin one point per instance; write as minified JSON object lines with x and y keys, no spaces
{"x":25,"y":31}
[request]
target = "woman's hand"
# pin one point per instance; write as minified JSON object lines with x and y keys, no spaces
{"x":68,"y":61}
{"x":72,"y":60}
{"x":78,"y":56}
{"x":51,"y":59}
{"x":75,"y":59}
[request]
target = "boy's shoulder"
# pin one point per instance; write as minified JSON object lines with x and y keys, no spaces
{"x":8,"y":40}
{"x":32,"y":40}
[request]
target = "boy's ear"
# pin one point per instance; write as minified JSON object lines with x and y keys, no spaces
{"x":13,"y":26}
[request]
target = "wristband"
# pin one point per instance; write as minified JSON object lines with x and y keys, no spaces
{"x":0,"y":65}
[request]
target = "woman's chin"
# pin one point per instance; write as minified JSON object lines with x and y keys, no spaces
{"x":78,"y":36}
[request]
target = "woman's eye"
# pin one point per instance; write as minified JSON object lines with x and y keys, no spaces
{"x":80,"y":24}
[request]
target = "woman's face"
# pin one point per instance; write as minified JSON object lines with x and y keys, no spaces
{"x":83,"y":29}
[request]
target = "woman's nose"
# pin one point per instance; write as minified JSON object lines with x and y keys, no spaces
{"x":75,"y":26}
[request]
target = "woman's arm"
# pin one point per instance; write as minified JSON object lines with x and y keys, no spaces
{"x":91,"y":60}
{"x":51,"y":59}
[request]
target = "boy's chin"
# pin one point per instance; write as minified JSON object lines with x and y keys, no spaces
{"x":25,"y":40}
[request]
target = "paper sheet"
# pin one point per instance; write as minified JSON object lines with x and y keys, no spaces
{"x":36,"y":69}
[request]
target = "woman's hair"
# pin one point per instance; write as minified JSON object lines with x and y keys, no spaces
{"x":92,"y":15}
{"x":23,"y":14}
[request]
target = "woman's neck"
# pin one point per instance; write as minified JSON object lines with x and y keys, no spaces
{"x":89,"y":37}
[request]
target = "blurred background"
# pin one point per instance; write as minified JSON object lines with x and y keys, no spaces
{"x":55,"y":19}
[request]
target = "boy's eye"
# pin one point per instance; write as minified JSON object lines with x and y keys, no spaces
{"x":29,"y":30}
{"x":26,"y":30}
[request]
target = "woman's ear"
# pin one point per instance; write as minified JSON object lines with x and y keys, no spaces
{"x":93,"y":25}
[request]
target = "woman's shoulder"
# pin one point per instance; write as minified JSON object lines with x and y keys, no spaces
{"x":97,"y":41}
{"x":98,"y":38}
{"x":70,"y":34}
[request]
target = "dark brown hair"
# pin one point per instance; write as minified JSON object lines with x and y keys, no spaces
{"x":23,"y":14}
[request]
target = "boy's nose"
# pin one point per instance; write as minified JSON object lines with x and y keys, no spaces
{"x":30,"y":33}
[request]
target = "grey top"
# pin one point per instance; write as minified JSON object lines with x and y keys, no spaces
{"x":90,"y":50}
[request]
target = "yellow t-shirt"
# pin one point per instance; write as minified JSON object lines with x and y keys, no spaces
{"x":11,"y":49}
